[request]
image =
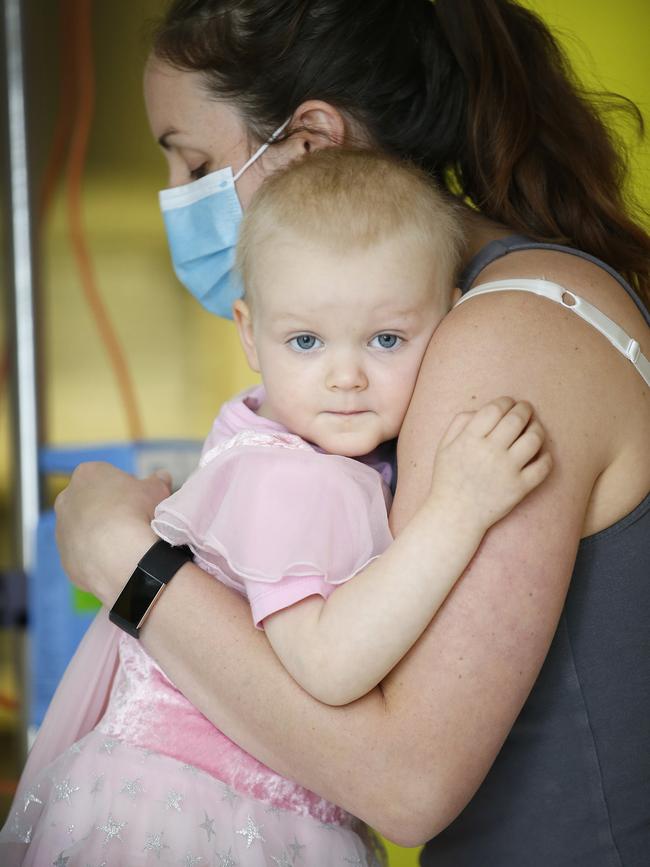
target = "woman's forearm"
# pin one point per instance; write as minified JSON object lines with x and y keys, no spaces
{"x":228,"y":670}
{"x":406,"y":757}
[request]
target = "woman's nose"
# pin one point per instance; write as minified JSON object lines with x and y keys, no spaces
{"x":178,"y":173}
{"x":177,"y":178}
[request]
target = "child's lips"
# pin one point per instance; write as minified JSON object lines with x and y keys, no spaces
{"x":346,"y":411}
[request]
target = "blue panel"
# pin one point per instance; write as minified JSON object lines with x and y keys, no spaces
{"x":58,"y":615}
{"x":55,"y":627}
{"x":62,"y":460}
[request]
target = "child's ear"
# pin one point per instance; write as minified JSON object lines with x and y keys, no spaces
{"x":241,"y":313}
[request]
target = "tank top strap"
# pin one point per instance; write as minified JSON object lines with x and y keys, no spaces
{"x":619,"y":338}
{"x":519,"y":243}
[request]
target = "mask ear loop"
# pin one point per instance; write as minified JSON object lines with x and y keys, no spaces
{"x":258,"y":153}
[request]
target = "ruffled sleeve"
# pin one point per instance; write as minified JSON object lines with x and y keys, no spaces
{"x":277,"y":520}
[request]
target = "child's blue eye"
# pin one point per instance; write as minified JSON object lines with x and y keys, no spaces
{"x":305,"y":342}
{"x":386,"y":341}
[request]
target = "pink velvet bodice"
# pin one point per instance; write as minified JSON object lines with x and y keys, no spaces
{"x":146,"y":710}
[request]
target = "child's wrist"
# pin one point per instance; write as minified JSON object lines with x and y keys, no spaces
{"x":454,"y":520}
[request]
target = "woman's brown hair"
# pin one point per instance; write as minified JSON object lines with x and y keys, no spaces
{"x":476,"y":92}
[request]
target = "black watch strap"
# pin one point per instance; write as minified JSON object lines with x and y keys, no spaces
{"x":158,"y":566}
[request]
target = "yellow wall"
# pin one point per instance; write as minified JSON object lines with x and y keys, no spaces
{"x":184,"y":362}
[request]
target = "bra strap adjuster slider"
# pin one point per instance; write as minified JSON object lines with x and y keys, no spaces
{"x":633,"y":351}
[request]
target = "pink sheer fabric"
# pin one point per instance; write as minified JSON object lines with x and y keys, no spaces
{"x":106,"y":802}
{"x":153,"y":777}
{"x":266,"y":508}
{"x":78,"y":703}
{"x":272,"y":516}
{"x":111,"y":743}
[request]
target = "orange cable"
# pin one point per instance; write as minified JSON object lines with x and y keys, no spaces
{"x":81,"y":18}
{"x":49,"y":181}
{"x":8,"y":702}
{"x":64,"y":117}
{"x":56,"y":159}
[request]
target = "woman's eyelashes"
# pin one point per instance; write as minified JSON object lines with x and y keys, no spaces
{"x":199,"y":172}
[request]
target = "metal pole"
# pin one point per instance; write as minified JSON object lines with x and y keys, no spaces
{"x":21,"y":333}
{"x":21,"y":287}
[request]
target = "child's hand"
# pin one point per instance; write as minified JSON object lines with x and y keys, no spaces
{"x":489,"y":460}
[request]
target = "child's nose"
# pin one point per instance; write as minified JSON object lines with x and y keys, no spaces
{"x":346,"y":375}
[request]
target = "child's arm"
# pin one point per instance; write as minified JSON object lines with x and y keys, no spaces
{"x":341,"y":648}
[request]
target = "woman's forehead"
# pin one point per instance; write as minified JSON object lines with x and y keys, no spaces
{"x":172,"y":96}
{"x":179,"y":105}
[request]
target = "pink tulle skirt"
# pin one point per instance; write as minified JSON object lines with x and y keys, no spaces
{"x":105,"y":803}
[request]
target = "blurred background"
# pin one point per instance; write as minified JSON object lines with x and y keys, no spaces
{"x":123,"y":355}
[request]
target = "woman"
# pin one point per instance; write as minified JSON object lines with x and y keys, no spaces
{"x":476,"y":93}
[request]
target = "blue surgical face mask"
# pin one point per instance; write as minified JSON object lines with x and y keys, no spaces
{"x":202,"y":221}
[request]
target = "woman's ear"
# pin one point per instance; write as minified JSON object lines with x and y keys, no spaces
{"x":317,"y":125}
{"x":241,"y":313}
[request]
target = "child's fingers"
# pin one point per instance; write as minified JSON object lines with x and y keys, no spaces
{"x":506,"y":431}
{"x":537,"y":470}
{"x":528,"y":444}
{"x":458,"y":424}
{"x":488,"y":416}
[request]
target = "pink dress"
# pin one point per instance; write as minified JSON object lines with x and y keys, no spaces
{"x":126,"y":771}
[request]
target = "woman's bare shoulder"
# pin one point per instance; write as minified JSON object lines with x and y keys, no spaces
{"x":577,"y":274}
{"x":594,"y":404}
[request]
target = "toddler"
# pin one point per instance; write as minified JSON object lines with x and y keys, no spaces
{"x":348,"y":262}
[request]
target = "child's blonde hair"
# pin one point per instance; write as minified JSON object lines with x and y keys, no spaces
{"x":352,"y":199}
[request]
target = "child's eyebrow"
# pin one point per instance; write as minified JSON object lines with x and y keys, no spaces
{"x":284,"y":321}
{"x":407,"y":314}
{"x":383,"y":319}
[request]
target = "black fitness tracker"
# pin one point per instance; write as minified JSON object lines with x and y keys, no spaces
{"x":154,"y":571}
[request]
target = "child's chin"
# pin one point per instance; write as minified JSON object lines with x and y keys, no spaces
{"x":348,"y":447}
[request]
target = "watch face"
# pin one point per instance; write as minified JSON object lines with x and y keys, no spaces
{"x":157,"y":567}
{"x":135,"y":601}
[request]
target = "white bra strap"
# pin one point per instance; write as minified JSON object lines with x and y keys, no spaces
{"x":620,"y":339}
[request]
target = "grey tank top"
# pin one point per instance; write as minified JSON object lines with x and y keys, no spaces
{"x":571,"y":785}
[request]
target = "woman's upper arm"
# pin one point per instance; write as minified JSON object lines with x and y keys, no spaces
{"x":475,"y":665}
